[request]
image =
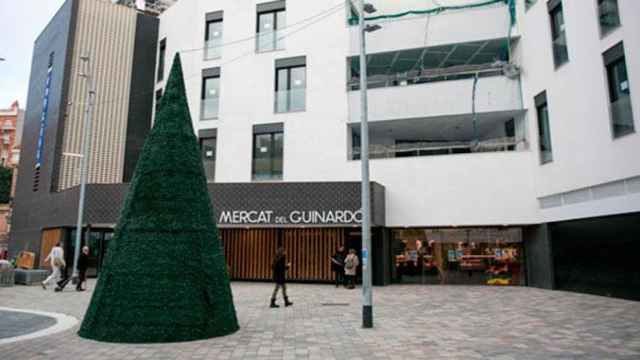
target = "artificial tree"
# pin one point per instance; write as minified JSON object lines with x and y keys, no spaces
{"x":164,"y":278}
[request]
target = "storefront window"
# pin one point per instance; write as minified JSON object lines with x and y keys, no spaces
{"x":479,"y":256}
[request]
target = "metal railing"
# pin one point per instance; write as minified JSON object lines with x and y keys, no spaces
{"x":270,"y":40}
{"x":210,"y":109}
{"x":429,"y":75}
{"x":290,"y":100}
{"x":378,"y":151}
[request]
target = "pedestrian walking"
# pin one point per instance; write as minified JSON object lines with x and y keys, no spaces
{"x":337,"y":265}
{"x":280,"y":267}
{"x":83,"y":264}
{"x":351,"y":263}
{"x":56,"y":257}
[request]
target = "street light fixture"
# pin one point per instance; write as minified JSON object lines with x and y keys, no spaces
{"x":367,"y":296}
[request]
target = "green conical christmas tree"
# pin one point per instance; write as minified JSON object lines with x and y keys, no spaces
{"x":164,"y":277}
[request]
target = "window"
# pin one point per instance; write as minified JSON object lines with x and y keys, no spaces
{"x":208,"y":149}
{"x":210,"y":94}
{"x":609,"y":15}
{"x":213,"y":36}
{"x":558,"y":33}
{"x":529,"y":3}
{"x":544,"y":132}
{"x":267,"y":152}
{"x":619,"y":91}
{"x":158,"y":98}
{"x":161,"y":56}
{"x":271,"y":20}
{"x":291,"y":84}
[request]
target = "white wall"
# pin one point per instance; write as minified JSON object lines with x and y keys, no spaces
{"x":584,"y":151}
{"x":454,"y":97}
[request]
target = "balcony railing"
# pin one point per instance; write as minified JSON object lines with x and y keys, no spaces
{"x":213,"y":49}
{"x":270,"y":40}
{"x":210,"y":109}
{"x":379,"y":151}
{"x":290,"y":100}
{"x":560,"y":51}
{"x":429,"y":75}
{"x":622,"y":116}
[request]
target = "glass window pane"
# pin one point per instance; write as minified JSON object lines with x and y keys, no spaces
{"x":209,"y":158}
{"x":262,"y":156}
{"x":620,"y":96}
{"x":266,"y":32}
{"x":210,"y":97}
{"x":560,"y":51}
{"x":544,"y":134}
{"x":213,"y":48}
{"x":298,"y":89}
{"x":278,"y":146}
{"x":608,"y":15}
{"x":281,"y":23}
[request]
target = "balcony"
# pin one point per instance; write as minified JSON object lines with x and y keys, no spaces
{"x":213,"y":49}
{"x":210,"y":108}
{"x":290,"y":100}
{"x":451,"y":27}
{"x":445,"y":135}
{"x":437,"y":81}
{"x":622,"y":116}
{"x":270,"y":41}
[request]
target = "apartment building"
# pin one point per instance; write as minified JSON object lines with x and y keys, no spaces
{"x":501,"y":135}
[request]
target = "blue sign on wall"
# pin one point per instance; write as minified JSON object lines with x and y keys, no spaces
{"x":45,"y":112}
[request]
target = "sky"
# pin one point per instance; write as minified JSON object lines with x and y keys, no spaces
{"x":22,"y":22}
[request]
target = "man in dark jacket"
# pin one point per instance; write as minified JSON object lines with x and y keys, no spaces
{"x":280,"y":267}
{"x":337,"y":265}
{"x":83,"y":264}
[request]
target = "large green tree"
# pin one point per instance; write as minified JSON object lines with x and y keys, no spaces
{"x":165,"y":277}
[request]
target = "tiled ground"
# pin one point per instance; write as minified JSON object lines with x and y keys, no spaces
{"x":412,"y":322}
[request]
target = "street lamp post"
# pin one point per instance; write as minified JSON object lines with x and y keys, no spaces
{"x":86,"y":138}
{"x":367,"y":296}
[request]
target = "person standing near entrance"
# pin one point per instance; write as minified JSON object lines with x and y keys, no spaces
{"x":351,"y":263}
{"x":337,"y":265}
{"x":83,"y":264}
{"x":56,"y":256}
{"x":280,"y":267}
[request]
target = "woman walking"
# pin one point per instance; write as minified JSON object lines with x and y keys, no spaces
{"x":351,"y":263}
{"x":280,"y":267}
{"x":56,"y":256}
{"x":337,"y":265}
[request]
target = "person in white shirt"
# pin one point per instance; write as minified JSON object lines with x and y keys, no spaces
{"x":56,"y":256}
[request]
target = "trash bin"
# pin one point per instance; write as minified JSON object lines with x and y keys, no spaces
{"x":7,"y":274}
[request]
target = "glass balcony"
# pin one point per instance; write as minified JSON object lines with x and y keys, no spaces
{"x":210,"y":108}
{"x":269,"y":41}
{"x":622,"y":116}
{"x":290,"y":100}
{"x":444,"y":136}
{"x":213,"y":49}
{"x":560,"y":51}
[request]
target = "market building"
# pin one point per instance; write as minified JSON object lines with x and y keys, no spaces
{"x":502,"y":138}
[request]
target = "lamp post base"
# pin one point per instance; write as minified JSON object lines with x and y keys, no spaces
{"x":367,"y":317}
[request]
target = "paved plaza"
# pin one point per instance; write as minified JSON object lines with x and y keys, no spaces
{"x":412,"y":322}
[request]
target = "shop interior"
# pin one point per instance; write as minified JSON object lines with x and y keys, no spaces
{"x":469,"y":256}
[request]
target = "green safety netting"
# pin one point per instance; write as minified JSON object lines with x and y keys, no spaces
{"x":441,"y":9}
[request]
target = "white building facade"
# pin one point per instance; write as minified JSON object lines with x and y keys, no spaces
{"x":499,"y":132}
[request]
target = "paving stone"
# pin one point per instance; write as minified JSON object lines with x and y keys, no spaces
{"x":439,"y":322}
